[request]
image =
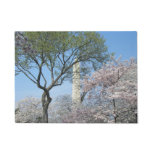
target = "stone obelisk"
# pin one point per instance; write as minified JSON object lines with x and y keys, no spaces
{"x":76,"y":96}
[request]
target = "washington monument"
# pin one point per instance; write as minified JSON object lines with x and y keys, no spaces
{"x":76,"y":96}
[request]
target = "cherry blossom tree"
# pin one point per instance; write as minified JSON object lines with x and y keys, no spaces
{"x":116,"y":84}
{"x":28,"y":110}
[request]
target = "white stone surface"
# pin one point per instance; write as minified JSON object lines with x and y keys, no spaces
{"x":76,"y":97}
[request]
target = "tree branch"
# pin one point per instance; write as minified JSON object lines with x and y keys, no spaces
{"x":44,"y":80}
{"x":60,"y":75}
{"x":82,"y":96}
{"x":26,"y":71}
{"x":26,"y":74}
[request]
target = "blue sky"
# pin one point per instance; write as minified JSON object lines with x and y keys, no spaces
{"x":122,"y":43}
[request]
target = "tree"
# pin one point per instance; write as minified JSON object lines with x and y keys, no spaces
{"x":57,"y":52}
{"x":61,"y":110}
{"x":116,"y":84}
{"x":28,"y":110}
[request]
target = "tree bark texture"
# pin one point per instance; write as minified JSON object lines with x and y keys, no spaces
{"x":46,"y":99}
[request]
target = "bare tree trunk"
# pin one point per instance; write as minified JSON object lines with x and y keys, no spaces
{"x":46,"y":99}
{"x":115,"y":114}
{"x":83,"y":96}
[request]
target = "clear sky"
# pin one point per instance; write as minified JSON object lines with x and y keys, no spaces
{"x":122,"y":43}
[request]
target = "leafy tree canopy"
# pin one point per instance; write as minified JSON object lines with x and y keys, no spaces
{"x":59,"y":50}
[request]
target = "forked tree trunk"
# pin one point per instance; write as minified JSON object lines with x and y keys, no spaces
{"x":45,"y":104}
